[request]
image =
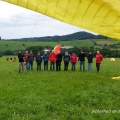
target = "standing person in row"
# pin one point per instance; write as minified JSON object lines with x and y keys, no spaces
{"x":66,"y":59}
{"x":38,"y":61}
{"x":99,"y":59}
{"x":31,"y":59}
{"x":21,"y":62}
{"x":73,"y":60}
{"x":52,"y":59}
{"x":45,"y":58}
{"x":26,"y":58}
{"x":90,"y":60}
{"x":58,"y":61}
{"x":82,"y":60}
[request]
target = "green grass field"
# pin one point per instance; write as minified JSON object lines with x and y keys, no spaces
{"x":17,"y":45}
{"x":64,"y":95}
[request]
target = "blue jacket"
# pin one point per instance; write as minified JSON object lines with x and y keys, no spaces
{"x":45,"y":57}
{"x":38,"y":58}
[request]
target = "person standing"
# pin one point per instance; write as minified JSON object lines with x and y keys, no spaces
{"x":38,"y":61}
{"x":26,"y":58}
{"x":90,"y":60}
{"x":66,"y":59}
{"x":99,"y":59}
{"x":21,"y":62}
{"x":81,"y":58}
{"x":31,"y":59}
{"x":52,"y":59}
{"x":73,"y":60}
{"x":45,"y":58}
{"x":58,"y":61}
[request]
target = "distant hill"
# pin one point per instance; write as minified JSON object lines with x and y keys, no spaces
{"x":69,"y":37}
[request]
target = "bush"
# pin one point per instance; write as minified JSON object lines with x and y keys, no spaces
{"x":8,"y":52}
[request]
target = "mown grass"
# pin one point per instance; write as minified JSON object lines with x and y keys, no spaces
{"x":64,"y":95}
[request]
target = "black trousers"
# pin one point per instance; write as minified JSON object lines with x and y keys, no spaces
{"x":66,"y":65}
{"x":58,"y":66}
{"x":98,"y":67}
{"x":45,"y":65}
{"x":38,"y":65}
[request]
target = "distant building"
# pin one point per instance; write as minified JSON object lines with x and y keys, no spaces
{"x":46,"y":50}
{"x":66,"y":47}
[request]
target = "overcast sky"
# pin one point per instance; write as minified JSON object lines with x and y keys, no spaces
{"x":18,"y":22}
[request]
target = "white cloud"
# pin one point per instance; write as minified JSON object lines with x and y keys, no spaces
{"x":17,"y":22}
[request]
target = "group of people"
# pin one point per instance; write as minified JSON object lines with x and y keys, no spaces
{"x":11,"y":59}
{"x":28,"y":59}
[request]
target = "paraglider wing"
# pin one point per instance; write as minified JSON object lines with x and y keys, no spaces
{"x":57,"y":49}
{"x":99,"y":16}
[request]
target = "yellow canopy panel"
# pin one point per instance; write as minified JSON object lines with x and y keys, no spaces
{"x":99,"y":16}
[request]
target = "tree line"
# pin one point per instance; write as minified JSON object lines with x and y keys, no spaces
{"x":106,"y":51}
{"x":69,"y":37}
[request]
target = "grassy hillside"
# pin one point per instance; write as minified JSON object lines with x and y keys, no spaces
{"x":14,"y":45}
{"x":51,"y":95}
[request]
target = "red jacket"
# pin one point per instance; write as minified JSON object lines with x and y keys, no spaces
{"x":26,"y":57}
{"x":73,"y":59}
{"x":52,"y":57}
{"x":99,"y":58}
